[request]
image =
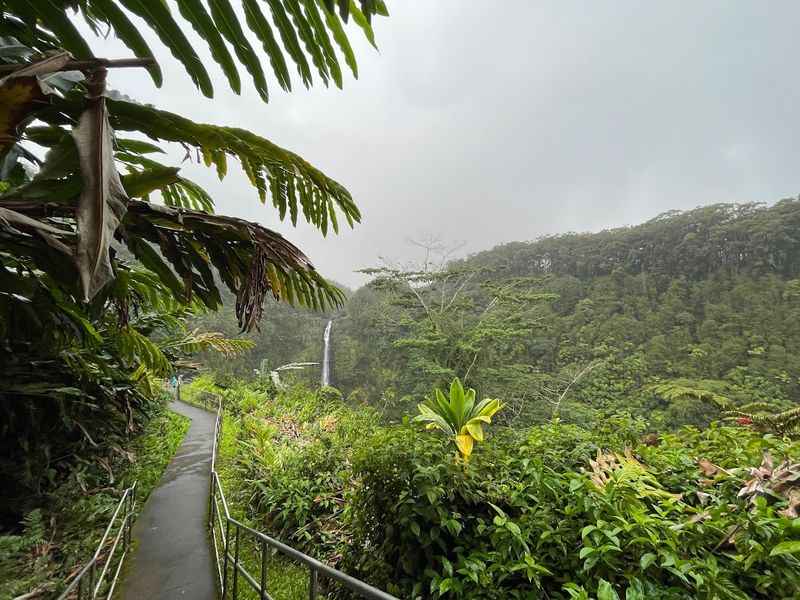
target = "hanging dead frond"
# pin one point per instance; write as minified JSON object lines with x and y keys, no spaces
{"x":102,"y":202}
{"x":250,"y":298}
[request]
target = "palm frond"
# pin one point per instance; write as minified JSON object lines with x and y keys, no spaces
{"x":48,"y":24}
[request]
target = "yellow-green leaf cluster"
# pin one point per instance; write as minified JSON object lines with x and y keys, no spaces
{"x":458,"y":415}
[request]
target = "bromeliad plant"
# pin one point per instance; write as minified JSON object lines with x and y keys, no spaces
{"x":458,"y":415}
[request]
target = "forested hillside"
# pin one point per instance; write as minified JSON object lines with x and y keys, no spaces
{"x":631,"y":431}
{"x":582,"y":325}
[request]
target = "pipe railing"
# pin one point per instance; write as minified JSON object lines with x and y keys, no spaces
{"x":226,"y":536}
{"x":87,"y":583}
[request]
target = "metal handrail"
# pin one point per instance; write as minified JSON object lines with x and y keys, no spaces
{"x":124,"y":533}
{"x":227,"y":531}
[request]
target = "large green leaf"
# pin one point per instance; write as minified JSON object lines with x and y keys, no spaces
{"x":457,"y":402}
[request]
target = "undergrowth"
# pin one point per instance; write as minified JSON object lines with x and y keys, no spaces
{"x":269,"y":436}
{"x":286,"y":580}
{"x":58,"y":536}
{"x":553,"y":511}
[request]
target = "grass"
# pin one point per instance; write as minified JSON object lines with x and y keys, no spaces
{"x":59,"y":536}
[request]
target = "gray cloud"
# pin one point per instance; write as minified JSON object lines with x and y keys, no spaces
{"x":496,"y":121}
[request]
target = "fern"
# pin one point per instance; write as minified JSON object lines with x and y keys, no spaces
{"x":762,"y":416}
{"x":138,"y":349}
{"x":197,"y":341}
{"x":678,"y":390}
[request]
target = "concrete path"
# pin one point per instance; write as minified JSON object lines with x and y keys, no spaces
{"x":172,"y":558}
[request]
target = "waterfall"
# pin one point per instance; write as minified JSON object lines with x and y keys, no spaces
{"x":326,"y":354}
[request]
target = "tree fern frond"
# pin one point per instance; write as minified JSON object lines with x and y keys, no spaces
{"x":197,"y":341}
{"x":676,"y":390}
{"x":250,"y":259}
{"x":340,"y":37}
{"x":230,"y":28}
{"x":260,"y":26}
{"x":296,"y":21}
{"x":139,"y":349}
{"x":113,"y":16}
{"x":194,"y":12}
{"x":786,"y":422}
{"x":306,"y":34}
{"x":160,"y":20}
{"x":290,"y":41}
{"x":323,"y":40}
{"x":285,"y":176}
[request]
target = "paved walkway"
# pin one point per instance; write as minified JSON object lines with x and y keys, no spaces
{"x":172,"y":558}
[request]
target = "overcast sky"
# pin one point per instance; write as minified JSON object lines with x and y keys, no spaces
{"x":488,"y":122}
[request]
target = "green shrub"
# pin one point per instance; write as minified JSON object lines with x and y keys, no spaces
{"x":532,"y":517}
{"x":295,"y":450}
{"x":64,"y":530}
{"x":556,"y":511}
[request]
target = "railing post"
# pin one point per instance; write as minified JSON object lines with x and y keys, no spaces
{"x":211,"y":501}
{"x":263,"y":570}
{"x":312,"y":584}
{"x":129,"y":522}
{"x":225,"y":554}
{"x":236,"y":565}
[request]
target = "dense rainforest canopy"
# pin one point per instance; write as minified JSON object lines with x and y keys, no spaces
{"x":578,"y":324}
{"x":646,"y":442}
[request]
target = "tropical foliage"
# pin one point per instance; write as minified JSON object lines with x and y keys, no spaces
{"x":556,"y":511}
{"x":57,"y":536}
{"x":106,"y":248}
{"x":458,"y":415}
{"x":571,"y":326}
{"x":304,"y":28}
{"x":648,"y":447}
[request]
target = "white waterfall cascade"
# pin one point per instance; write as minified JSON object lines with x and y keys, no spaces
{"x":326,"y":354}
